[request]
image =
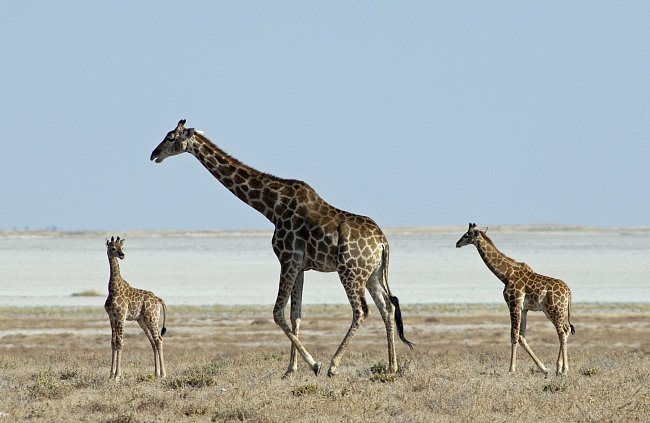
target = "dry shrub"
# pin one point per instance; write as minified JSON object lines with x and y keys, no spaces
{"x":379,"y":373}
{"x":588,"y":371}
{"x":191,"y":380}
{"x":554,"y":386}
{"x":46,"y":385}
{"x":196,"y":376}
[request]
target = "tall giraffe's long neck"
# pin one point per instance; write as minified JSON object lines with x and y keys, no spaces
{"x":500,"y":264}
{"x":115,"y":281}
{"x":248,"y":184}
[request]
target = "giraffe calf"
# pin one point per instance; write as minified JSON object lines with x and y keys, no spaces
{"x":127,"y":303}
{"x":526,"y":291}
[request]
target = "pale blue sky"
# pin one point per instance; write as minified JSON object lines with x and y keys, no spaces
{"x":414,"y":113}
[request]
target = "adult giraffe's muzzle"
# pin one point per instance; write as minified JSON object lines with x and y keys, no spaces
{"x":155,"y":154}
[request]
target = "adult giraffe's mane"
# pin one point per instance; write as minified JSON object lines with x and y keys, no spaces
{"x":202,"y":138}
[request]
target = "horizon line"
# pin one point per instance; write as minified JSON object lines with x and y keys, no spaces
{"x":404,"y":230}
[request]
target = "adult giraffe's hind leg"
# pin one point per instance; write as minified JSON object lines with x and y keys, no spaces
{"x":296,"y":315}
{"x":359,"y":312}
{"x":386,"y":309}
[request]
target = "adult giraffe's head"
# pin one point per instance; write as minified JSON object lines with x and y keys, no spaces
{"x":114,"y":247}
{"x":469,"y":237}
{"x":174,"y":143}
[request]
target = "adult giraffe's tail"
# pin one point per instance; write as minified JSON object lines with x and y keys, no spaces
{"x":164,"y":306}
{"x":393,"y":299}
{"x":573,"y":329}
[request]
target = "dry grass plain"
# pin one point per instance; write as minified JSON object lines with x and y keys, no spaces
{"x":226,"y":363}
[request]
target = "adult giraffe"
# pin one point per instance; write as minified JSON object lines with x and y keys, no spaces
{"x":310,"y":234}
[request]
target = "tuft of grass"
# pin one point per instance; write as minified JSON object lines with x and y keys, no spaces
{"x":68,"y":374}
{"x":191,"y":381}
{"x":194,"y":410}
{"x":306,"y":389}
{"x":554,"y":387}
{"x":589,"y":371}
{"x":239,"y":413}
{"x":378,"y":368}
{"x":88,"y":293}
{"x":379,"y":373}
{"x":46,"y":387}
{"x":197,"y":376}
{"x":123,"y":418}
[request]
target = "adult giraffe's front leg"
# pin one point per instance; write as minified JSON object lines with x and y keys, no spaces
{"x":288,"y":273}
{"x":296,"y":315}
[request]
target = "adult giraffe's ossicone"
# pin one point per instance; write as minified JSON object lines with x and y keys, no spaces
{"x":310,"y":234}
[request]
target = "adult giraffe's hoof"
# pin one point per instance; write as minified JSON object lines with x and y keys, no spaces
{"x":317,"y":366}
{"x":288,"y":373}
{"x":332,"y":372}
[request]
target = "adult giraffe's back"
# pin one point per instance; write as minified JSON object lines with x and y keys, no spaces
{"x":310,"y":234}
